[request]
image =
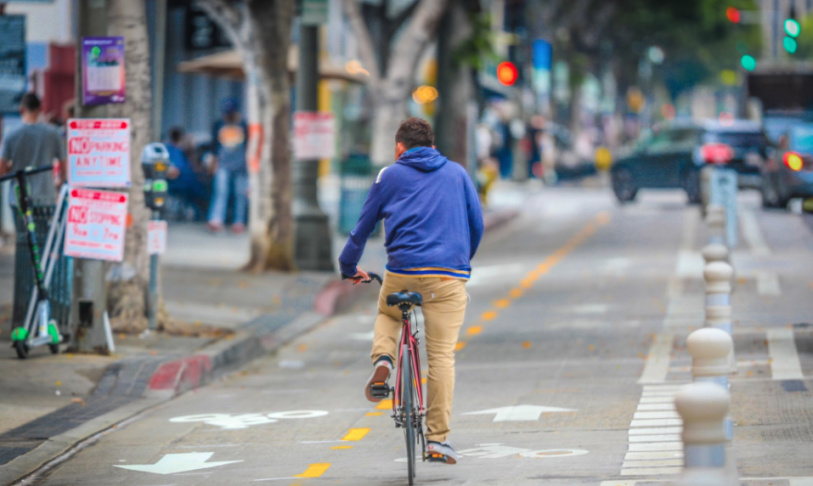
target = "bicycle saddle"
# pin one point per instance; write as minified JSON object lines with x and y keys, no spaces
{"x":404,"y":297}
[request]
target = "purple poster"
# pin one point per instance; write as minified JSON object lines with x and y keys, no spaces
{"x":102,"y":70}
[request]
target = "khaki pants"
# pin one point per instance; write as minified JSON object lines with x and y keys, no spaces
{"x":444,"y":307}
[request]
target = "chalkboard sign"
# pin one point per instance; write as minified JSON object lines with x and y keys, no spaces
{"x":12,"y":62}
{"x":202,"y":32}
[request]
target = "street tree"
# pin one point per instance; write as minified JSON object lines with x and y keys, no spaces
{"x":128,"y":280}
{"x":391,"y":55}
{"x":261,"y":32}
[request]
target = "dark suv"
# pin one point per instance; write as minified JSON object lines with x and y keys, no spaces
{"x":672,"y":156}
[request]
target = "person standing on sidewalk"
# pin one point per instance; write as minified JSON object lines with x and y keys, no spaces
{"x":433,"y":223}
{"x":34,"y":144}
{"x":229,"y":134}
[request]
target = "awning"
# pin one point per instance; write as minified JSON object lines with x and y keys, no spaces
{"x":229,"y":64}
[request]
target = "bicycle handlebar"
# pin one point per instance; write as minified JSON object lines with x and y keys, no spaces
{"x":373,"y":276}
{"x":25,"y":172}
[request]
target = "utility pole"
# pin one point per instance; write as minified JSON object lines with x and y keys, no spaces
{"x":312,"y":238}
{"x":89,"y":301}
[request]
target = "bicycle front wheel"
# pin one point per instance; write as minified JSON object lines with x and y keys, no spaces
{"x":407,"y":400}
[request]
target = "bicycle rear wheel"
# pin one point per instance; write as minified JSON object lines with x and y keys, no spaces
{"x":407,"y":386}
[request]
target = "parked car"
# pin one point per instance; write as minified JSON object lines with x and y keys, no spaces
{"x":672,"y":156}
{"x":789,"y":174}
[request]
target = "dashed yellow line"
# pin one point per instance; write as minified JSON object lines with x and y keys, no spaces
{"x":385,"y":404}
{"x":374,"y":414}
{"x":531,"y":277}
{"x":314,"y":470}
{"x":355,"y":435}
{"x":342,"y":447}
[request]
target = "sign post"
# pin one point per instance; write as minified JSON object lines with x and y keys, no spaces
{"x":12,"y":62}
{"x":723,"y":186}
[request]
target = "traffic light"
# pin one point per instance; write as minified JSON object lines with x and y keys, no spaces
{"x":733,"y":15}
{"x":507,"y":73}
{"x":748,"y":62}
{"x":792,"y":29}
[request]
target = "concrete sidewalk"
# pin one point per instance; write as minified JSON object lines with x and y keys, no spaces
{"x":51,"y":403}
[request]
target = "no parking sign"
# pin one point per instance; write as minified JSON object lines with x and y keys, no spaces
{"x":96,"y":224}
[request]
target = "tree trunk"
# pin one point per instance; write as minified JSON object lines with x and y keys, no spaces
{"x":455,"y":87}
{"x":128,"y":280}
{"x":261,"y":31}
{"x":390,"y":90}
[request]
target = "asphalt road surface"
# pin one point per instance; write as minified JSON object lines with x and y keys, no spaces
{"x":577,"y":324}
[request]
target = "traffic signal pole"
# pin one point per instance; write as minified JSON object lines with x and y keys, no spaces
{"x":312,"y":239}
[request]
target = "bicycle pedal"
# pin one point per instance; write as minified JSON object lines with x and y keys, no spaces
{"x":379,"y":390}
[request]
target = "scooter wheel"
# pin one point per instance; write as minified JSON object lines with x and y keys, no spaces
{"x":21,"y":348}
{"x":54,"y":348}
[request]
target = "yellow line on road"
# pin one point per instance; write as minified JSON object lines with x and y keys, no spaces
{"x":342,"y":447}
{"x":314,"y":470}
{"x":385,"y":404}
{"x":374,"y":414}
{"x":355,"y":434}
{"x":531,"y":277}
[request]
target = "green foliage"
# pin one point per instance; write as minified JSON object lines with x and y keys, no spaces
{"x":478,"y":50}
{"x":698,"y":39}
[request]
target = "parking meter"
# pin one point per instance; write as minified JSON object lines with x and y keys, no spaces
{"x":155,"y":162}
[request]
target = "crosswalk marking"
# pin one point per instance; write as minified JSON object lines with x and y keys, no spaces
{"x":785,"y":363}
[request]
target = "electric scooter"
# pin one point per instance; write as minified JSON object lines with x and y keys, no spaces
{"x":38,"y":329}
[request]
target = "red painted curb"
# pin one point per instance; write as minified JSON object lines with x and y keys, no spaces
{"x":181,"y":374}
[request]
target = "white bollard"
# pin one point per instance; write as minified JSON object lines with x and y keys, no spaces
{"x":718,"y":300}
{"x":703,"y":407}
{"x":715,"y":220}
{"x":715,"y":252}
{"x":710,"y":349}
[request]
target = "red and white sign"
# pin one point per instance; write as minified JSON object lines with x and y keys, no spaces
{"x":96,"y":225}
{"x":314,"y":135}
{"x":156,"y":237}
{"x":99,"y":152}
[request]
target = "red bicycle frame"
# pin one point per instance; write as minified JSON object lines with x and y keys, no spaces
{"x":408,"y":339}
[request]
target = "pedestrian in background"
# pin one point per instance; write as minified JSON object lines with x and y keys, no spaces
{"x":34,"y":144}
{"x":229,"y":134}
{"x":184,"y":184}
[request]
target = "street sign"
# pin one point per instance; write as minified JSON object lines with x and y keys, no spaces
{"x":519,"y":413}
{"x":99,"y":152}
{"x":156,"y":237}
{"x":314,"y":135}
{"x":314,"y":12}
{"x":102,"y":70}
{"x":96,"y":225}
{"x":178,"y":463}
{"x":12,"y":62}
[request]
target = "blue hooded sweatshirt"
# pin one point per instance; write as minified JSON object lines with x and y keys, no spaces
{"x":431,"y":213}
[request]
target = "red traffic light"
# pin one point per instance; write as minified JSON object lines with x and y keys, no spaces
{"x":733,"y":14}
{"x":507,"y":73}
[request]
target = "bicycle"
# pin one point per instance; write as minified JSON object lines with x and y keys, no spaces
{"x":38,"y":328}
{"x":407,"y":404}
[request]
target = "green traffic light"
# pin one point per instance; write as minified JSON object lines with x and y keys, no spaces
{"x":748,"y":62}
{"x":790,"y":44}
{"x":792,"y":27}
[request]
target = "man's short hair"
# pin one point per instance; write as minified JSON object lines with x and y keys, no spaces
{"x":415,"y":132}
{"x":30,"y":102}
{"x":175,"y":134}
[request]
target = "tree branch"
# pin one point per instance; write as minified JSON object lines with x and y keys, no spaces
{"x":365,"y":40}
{"x":396,"y":23}
{"x":226,"y":15}
{"x":419,"y":32}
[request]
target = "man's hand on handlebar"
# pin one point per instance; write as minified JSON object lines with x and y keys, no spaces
{"x":361,"y":277}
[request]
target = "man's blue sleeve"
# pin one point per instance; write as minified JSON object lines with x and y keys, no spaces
{"x":370,"y":214}
{"x":475,"y":216}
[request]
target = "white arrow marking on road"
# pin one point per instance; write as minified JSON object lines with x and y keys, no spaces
{"x":519,"y":413}
{"x":176,"y":463}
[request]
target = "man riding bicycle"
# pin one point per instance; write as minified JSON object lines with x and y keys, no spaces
{"x":433,"y":224}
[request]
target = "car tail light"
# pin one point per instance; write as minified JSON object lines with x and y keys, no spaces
{"x":717,"y":153}
{"x":794,"y":161}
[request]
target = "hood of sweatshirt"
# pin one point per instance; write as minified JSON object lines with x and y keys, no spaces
{"x":425,"y":159}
